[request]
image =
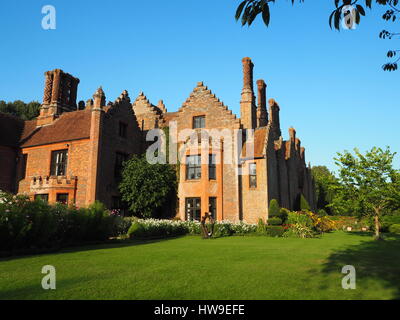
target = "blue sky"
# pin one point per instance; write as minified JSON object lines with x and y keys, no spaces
{"x":329,"y":85}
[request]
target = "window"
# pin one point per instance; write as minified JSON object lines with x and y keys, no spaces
{"x":62,"y":198}
{"x":193,"y":209}
{"x":199,"y":122}
{"x":123,"y":128}
{"x":120,"y":158}
{"x":212,"y":207}
{"x":44,"y":197}
{"x":23,"y":165}
{"x":59,"y":160}
{"x":253,"y":175}
{"x":193,"y":167}
{"x":212,"y":169}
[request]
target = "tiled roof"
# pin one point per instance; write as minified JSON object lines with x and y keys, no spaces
{"x":10,"y":130}
{"x":70,"y":126}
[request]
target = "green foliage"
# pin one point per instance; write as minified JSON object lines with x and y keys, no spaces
{"x":324,"y":180}
{"x":275,"y":231}
{"x":26,"y":224}
{"x":395,"y":228}
{"x":274,"y":209}
{"x":149,"y":189}
{"x":322,"y":213}
{"x":223,"y":230}
{"x":300,"y":218}
{"x":20,"y":109}
{"x":136,"y":230}
{"x":304,"y":204}
{"x":369,"y":182}
{"x":283,"y":214}
{"x":275,"y":221}
{"x":261,"y":226}
{"x":298,"y":230}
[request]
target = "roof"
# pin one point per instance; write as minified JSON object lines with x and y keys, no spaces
{"x":70,"y":126}
{"x":10,"y":130}
{"x":260,"y":135}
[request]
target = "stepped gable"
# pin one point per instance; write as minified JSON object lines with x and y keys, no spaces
{"x":122,"y":101}
{"x":143,"y":105}
{"x":202,"y":91}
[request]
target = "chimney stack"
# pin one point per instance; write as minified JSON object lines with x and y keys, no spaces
{"x":60,"y":92}
{"x":262,"y":114}
{"x":247,"y":103}
{"x":274,"y":117}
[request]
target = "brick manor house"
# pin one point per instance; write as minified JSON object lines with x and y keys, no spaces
{"x":74,"y":153}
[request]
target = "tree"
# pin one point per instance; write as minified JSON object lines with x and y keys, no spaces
{"x":324,"y":179}
{"x":348,"y":10}
{"x":20,"y":109}
{"x":149,"y":189}
{"x":370,"y":181}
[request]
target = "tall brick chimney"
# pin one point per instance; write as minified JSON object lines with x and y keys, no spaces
{"x":60,"y":92}
{"x":247,"y":103}
{"x":96,"y":123}
{"x":262,"y":114}
{"x":274,"y":117}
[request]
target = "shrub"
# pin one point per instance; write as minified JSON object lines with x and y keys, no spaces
{"x":283,"y":214}
{"x":223,"y":229}
{"x":242,"y":228}
{"x":321,"y":224}
{"x":26,"y":225}
{"x":389,"y":220}
{"x":322,"y":213}
{"x":300,"y":218}
{"x":136,"y":230}
{"x":304,"y":204}
{"x":394,"y":228}
{"x":275,"y":221}
{"x":275,"y":231}
{"x":261,"y":226}
{"x":299,"y":231}
{"x":274,"y":209}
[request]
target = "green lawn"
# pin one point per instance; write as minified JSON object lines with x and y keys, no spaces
{"x":224,"y":268}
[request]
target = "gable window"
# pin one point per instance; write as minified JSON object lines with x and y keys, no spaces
{"x":199,"y":122}
{"x":59,"y":161}
{"x":212,"y":168}
{"x":253,"y":175}
{"x":62,"y":198}
{"x":123,"y":128}
{"x":120,"y":158}
{"x":212,"y":207}
{"x":193,"y":167}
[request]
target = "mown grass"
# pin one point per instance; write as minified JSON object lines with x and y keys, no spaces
{"x":224,"y":268}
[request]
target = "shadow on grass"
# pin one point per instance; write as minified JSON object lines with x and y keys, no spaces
{"x":112,"y":244}
{"x":378,"y":260}
{"x":36,"y":291}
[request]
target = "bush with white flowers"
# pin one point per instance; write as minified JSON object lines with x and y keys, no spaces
{"x":153,"y":228}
